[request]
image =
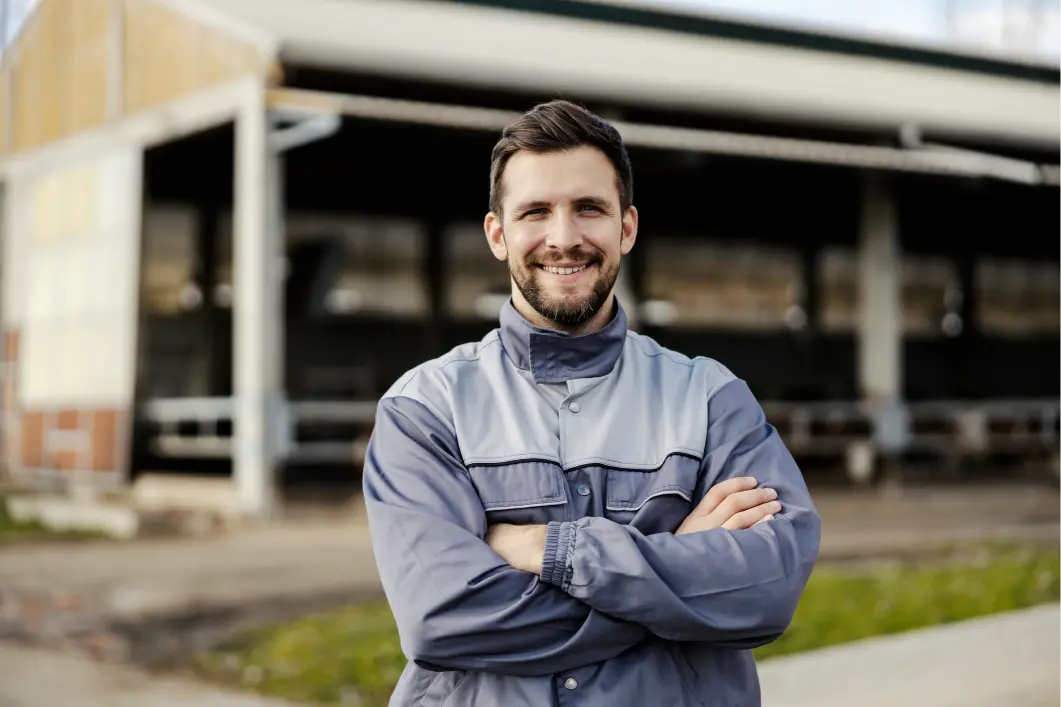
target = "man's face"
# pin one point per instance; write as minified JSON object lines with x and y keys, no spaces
{"x":562,"y":233}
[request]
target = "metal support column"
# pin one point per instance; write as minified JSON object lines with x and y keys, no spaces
{"x":258,"y":252}
{"x":880,"y":338}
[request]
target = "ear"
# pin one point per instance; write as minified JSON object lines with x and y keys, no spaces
{"x":495,"y":236}
{"x":629,"y":230}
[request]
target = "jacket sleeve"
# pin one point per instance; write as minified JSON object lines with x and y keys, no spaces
{"x":735,"y":589}
{"x":458,"y":605}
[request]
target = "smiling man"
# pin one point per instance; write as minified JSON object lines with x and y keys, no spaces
{"x":566,"y":513}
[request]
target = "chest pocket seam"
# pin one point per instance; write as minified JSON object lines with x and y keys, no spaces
{"x":523,"y":503}
{"x":637,"y":504}
{"x":629,"y":491}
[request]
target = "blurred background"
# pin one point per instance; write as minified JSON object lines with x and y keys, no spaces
{"x":229,"y":225}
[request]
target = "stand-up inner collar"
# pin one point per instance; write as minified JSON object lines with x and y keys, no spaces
{"x":555,"y":356}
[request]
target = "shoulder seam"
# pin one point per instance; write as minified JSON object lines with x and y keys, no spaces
{"x":667,"y":353}
{"x":423,"y":434}
{"x":427,"y":406}
{"x":688,"y":362}
{"x":720,"y":386}
{"x":419,"y":370}
{"x":468,"y":359}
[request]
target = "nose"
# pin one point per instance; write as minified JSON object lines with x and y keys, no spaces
{"x":563,"y":232}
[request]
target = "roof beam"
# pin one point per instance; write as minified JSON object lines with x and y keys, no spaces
{"x":930,"y":160}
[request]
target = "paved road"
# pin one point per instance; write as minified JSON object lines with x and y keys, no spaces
{"x":39,"y":678}
{"x":162,"y":575}
{"x":1009,"y":659}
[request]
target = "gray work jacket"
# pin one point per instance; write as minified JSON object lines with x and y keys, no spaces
{"x":610,"y":440}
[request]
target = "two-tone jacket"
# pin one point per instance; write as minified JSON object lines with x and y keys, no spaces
{"x":610,"y":440}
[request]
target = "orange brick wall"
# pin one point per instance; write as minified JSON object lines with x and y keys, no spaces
{"x":97,"y":444}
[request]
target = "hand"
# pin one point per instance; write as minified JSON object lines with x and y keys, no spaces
{"x":734,"y":504}
{"x":522,"y":546}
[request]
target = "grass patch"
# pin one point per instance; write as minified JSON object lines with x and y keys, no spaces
{"x":325,"y":659}
{"x":352,"y":656}
{"x":839,"y":607}
{"x":17,"y":530}
{"x":11,"y":529}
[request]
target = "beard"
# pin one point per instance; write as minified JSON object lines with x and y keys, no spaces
{"x":565,"y":310}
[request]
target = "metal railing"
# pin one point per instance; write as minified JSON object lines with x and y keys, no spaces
{"x":202,"y":428}
{"x":337,"y":432}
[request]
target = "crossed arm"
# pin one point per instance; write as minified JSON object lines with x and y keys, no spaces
{"x":587,"y":590}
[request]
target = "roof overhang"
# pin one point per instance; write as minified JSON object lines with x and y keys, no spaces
{"x":484,"y":46}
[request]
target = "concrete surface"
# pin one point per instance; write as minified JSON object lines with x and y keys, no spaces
{"x":157,"y":576}
{"x":38,"y":678}
{"x":885,"y":521}
{"x":1010,"y":659}
{"x":333,"y":556}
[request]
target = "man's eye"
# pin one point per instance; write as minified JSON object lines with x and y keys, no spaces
{"x":534,"y":212}
{"x":591,"y":207}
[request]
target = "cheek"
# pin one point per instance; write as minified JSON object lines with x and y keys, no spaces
{"x":607,"y":244}
{"x":519,"y":248}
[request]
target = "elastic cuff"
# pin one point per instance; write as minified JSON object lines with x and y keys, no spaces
{"x":557,"y":545}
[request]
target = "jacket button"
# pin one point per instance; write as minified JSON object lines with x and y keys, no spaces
{"x":574,"y":406}
{"x":583,"y":490}
{"x":570,"y":683}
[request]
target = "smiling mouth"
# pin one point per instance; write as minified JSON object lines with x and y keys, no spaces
{"x":563,"y":271}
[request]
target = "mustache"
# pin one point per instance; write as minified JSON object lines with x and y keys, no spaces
{"x":576,"y":254}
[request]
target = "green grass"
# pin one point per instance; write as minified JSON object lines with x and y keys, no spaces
{"x":352,"y":656}
{"x":11,"y":529}
{"x":15,"y":530}
{"x":838,"y":607}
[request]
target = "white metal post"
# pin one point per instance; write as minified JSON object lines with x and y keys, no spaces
{"x":880,"y":336}
{"x":257,"y":310}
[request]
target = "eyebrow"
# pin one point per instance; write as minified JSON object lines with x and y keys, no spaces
{"x":529,"y":206}
{"x":538,"y":204}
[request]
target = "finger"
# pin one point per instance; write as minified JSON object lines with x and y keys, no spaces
{"x":768,"y":516}
{"x":742,"y":501}
{"x":719,"y":493}
{"x":748,"y":518}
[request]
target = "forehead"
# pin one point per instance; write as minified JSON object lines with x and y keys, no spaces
{"x":559,"y":176}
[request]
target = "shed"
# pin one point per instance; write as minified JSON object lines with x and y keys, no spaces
{"x":89,"y":85}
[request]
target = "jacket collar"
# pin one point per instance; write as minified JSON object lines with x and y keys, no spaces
{"x":556,"y":357}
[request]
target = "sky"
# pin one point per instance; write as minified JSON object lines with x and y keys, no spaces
{"x":1020,"y":28}
{"x":1030,"y":28}
{"x":16,"y":11}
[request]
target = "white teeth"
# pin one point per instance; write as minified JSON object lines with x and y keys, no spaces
{"x":563,"y":271}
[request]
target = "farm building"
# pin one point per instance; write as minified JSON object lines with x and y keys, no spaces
{"x":228,"y":225}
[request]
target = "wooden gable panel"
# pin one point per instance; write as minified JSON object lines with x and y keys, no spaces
{"x":78,"y":64}
{"x":169,"y":55}
{"x":60,"y":71}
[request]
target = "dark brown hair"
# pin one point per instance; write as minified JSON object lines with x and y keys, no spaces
{"x":555,"y":126}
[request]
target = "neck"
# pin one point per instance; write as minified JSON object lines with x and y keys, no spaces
{"x":591,"y":326}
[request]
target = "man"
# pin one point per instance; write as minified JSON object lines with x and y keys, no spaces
{"x":566,"y":513}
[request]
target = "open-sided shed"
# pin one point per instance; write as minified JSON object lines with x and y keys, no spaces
{"x":89,"y":85}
